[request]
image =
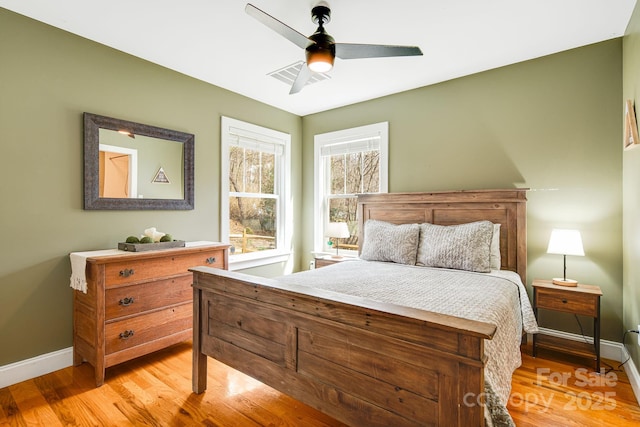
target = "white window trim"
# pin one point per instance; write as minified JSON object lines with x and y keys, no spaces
{"x":283,"y":183}
{"x":319,"y":210}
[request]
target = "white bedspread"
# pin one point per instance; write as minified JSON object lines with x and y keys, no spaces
{"x":498,"y":298}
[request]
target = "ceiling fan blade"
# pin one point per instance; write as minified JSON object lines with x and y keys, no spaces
{"x":301,"y":79}
{"x":279,"y":27}
{"x":355,"y":51}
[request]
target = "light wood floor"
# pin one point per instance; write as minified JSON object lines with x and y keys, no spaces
{"x":155,"y":390}
{"x":551,"y":390}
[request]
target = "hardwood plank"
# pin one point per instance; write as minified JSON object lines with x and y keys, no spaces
{"x":54,"y":389}
{"x":557,"y":390}
{"x":32,"y":405}
{"x":10,"y":413}
{"x":156,"y":389}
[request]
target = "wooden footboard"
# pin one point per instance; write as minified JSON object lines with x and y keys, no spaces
{"x":359,"y":361}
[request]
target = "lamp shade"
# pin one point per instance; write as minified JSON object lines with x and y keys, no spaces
{"x":565,"y":242}
{"x":337,"y":230}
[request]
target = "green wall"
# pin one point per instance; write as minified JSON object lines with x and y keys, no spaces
{"x":48,"y":78}
{"x":631,"y":190}
{"x":552,"y":125}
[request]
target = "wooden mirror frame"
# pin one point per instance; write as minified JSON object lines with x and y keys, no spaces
{"x":92,"y":200}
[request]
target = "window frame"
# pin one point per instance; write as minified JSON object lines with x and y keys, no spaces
{"x":282,"y":188}
{"x":322,"y":174}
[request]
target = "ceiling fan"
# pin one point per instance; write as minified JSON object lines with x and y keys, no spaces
{"x":320,"y":48}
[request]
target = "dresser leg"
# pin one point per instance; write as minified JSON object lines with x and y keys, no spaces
{"x":77,"y":358}
{"x":99,"y":374}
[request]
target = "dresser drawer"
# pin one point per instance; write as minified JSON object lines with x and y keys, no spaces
{"x":136,"y":270}
{"x":570,"y":302}
{"x":145,"y":328}
{"x":134,"y":299}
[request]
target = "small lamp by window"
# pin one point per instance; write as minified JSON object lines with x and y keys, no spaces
{"x":337,"y":230}
{"x":565,"y":242}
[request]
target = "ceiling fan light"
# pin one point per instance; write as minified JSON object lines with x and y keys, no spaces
{"x":319,"y":61}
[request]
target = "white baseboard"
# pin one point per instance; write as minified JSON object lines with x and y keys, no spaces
{"x":36,"y":366}
{"x":633,"y":374}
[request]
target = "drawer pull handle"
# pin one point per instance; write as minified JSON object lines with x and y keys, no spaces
{"x":564,"y":300}
{"x":126,"y":272}
{"x":211,"y":260}
{"x":126,"y":301}
{"x":126,"y":334}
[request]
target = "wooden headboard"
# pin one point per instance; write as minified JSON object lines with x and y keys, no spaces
{"x":506,"y":207}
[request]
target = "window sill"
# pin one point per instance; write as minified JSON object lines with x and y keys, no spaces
{"x":256,"y":259}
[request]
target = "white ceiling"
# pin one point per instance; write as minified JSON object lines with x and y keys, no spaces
{"x":217,"y":42}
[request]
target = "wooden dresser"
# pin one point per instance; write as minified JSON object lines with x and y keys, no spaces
{"x":137,"y":303}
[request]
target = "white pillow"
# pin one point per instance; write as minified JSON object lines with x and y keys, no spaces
{"x":461,"y":247}
{"x":384,"y":241}
{"x":496,"y":260}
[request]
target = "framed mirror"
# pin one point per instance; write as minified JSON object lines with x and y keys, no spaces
{"x":131,"y":166}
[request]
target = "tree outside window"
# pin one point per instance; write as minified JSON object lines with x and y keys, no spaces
{"x":351,"y":174}
{"x":252,"y":200}
{"x":255,"y":165}
{"x":347,"y":163}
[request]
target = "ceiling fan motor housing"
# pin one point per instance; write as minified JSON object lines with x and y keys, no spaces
{"x":322,"y":44}
{"x":321,"y":15}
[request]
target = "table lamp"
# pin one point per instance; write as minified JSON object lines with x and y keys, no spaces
{"x":337,"y":230}
{"x":565,"y":242}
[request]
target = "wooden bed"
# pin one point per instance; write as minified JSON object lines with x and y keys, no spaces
{"x":362,"y":362}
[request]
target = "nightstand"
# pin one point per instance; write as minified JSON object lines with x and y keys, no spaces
{"x":323,"y":261}
{"x":581,"y":299}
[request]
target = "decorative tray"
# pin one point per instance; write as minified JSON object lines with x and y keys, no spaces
{"x":140,"y":247}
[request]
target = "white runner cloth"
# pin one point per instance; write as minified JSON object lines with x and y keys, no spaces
{"x":79,"y":263}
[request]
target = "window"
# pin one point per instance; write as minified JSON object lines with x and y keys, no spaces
{"x":347,"y":162}
{"x":255,"y":188}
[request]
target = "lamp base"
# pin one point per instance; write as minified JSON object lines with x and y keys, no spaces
{"x":564,"y":282}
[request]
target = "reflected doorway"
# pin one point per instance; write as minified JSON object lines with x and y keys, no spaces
{"x":118,"y":172}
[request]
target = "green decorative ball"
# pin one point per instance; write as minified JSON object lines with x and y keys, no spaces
{"x":146,"y":239}
{"x":166,"y":238}
{"x":132,"y":239}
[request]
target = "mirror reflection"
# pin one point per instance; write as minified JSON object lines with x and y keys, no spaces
{"x":138,"y":166}
{"x":134,"y":166}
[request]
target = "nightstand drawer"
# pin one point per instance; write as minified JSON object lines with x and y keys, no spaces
{"x":568,"y":302}
{"x":323,"y":262}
